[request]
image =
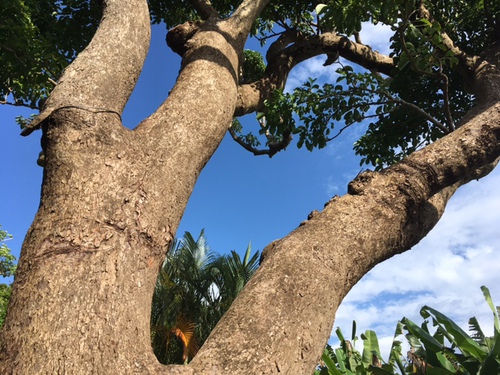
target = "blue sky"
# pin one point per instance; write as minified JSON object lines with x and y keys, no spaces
{"x":241,"y":198}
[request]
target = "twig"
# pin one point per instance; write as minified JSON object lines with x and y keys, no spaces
{"x":19,"y":104}
{"x":274,"y":147}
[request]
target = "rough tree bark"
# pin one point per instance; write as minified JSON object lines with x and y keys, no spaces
{"x":112,"y":200}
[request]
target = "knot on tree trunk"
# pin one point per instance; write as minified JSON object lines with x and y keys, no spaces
{"x":179,"y":36}
{"x":358,"y":185}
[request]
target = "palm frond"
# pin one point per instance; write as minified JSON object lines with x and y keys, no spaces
{"x":477,"y":332}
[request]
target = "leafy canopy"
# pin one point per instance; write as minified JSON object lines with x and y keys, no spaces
{"x":421,"y":99}
{"x":38,"y":39}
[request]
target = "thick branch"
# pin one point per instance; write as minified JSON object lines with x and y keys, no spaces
{"x":178,"y":37}
{"x":103,"y":75}
{"x":252,"y":95}
{"x":244,"y":16}
{"x":184,"y":132}
{"x":287,"y":37}
{"x":237,"y":27}
{"x":385,"y":214}
{"x":466,"y":62}
{"x":486,"y":83}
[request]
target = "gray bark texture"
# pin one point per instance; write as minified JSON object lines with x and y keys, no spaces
{"x":112,"y":199}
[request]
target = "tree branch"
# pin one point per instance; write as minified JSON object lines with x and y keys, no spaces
{"x":446,"y":100}
{"x":287,"y":37}
{"x":241,"y":21}
{"x":417,"y":109}
{"x":252,"y":95}
{"x":18,"y":104}
{"x":121,"y":42}
{"x":204,"y":8}
{"x":274,"y":147}
{"x":336,"y":247}
{"x":467,"y":63}
{"x":178,"y":36}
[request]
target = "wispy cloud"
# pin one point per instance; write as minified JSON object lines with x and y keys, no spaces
{"x":312,"y":68}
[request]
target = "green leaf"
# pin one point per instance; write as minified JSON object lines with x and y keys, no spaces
{"x":463,"y":341}
{"x":445,"y":362}
{"x":429,"y":342}
{"x":403,"y":61}
{"x":478,"y":333}
{"x":487,"y":297}
{"x":330,"y":364}
{"x":396,"y":348}
{"x":319,"y":8}
{"x":438,"y":371}
{"x":379,"y":371}
{"x":341,"y":359}
{"x":370,"y":347}
{"x":491,"y":364}
{"x":425,"y":22}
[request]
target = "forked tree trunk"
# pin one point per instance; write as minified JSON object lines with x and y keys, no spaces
{"x":83,"y":290}
{"x":112,"y":199}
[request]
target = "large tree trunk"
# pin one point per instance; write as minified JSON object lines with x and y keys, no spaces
{"x":112,"y":200}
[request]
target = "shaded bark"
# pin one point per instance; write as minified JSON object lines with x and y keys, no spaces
{"x":112,"y":199}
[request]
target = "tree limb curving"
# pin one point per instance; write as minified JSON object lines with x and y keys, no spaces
{"x":252,"y":95}
{"x":105,"y":73}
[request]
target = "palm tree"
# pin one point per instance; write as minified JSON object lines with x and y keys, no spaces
{"x":194,"y":289}
{"x":180,"y":299}
{"x":230,"y":274}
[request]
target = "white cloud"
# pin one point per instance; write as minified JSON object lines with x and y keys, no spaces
{"x":332,"y":188}
{"x":312,"y":68}
{"x":377,"y":37}
{"x":445,"y":270}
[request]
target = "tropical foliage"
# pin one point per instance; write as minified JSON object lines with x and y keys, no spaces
{"x":38,"y":39}
{"x":400,"y":120}
{"x":194,"y":289}
{"x":7,"y":260}
{"x":7,"y":269}
{"x":447,"y":351}
{"x":5,"y":292}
